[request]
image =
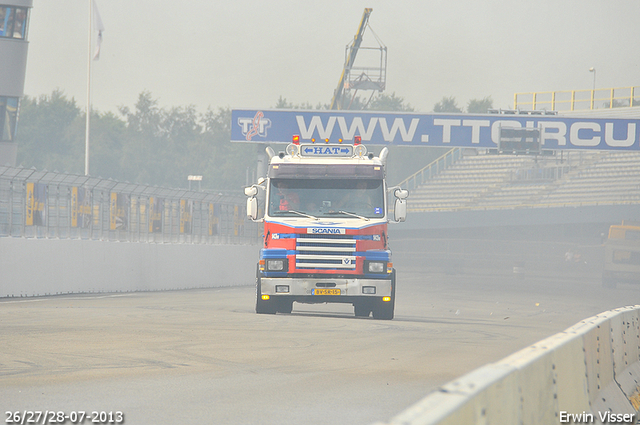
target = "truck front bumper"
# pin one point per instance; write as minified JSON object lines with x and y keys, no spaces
{"x":314,"y":287}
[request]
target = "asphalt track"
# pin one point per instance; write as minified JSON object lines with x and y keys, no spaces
{"x":204,"y":357}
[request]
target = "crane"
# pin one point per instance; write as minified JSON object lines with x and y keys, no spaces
{"x":363,"y":80}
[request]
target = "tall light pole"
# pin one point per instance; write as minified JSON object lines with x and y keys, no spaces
{"x":88,"y":117}
{"x":593,"y":92}
{"x":94,"y":18}
{"x":592,"y":69}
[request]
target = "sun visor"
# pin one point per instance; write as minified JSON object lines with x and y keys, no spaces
{"x":332,"y":171}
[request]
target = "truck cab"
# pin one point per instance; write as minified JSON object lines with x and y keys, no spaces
{"x":325,"y":234}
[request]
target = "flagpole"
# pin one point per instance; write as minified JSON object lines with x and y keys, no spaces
{"x":88,"y":119}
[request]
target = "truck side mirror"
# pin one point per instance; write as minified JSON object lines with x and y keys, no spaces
{"x":401,"y":193}
{"x":400,"y":210}
{"x":252,"y":207}
{"x":251,"y":191}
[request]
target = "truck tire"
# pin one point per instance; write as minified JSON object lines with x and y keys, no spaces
{"x":362,"y":309}
{"x":262,"y":306}
{"x":385,"y":310}
{"x":284,"y":306}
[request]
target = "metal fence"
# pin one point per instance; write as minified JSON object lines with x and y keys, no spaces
{"x":578,"y":100}
{"x":41,"y":204}
{"x":433,"y":169}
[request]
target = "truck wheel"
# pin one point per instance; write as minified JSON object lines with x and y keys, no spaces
{"x":285,"y":306}
{"x":262,"y":306}
{"x":265,"y":307}
{"x":361,"y":309}
{"x":385,"y":310}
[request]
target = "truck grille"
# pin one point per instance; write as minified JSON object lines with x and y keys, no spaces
{"x":325,"y":252}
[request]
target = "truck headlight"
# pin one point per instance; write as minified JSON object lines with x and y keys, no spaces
{"x":376,"y":266}
{"x":276,"y":265}
{"x":292,"y":149}
{"x":360,"y":150}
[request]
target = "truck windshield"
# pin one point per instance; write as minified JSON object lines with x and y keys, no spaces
{"x":326,"y":197}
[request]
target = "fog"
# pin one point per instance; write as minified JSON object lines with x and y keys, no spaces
{"x":204,"y":356}
{"x":473,"y":286}
{"x":248,"y":53}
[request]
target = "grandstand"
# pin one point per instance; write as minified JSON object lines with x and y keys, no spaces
{"x":482,"y":181}
{"x":474,"y":179}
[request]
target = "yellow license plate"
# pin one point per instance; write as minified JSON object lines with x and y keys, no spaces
{"x":326,"y":291}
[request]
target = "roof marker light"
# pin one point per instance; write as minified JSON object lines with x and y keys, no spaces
{"x":357,"y":140}
{"x":326,"y":140}
{"x":296,"y":139}
{"x":339,"y":140}
{"x":313,"y":140}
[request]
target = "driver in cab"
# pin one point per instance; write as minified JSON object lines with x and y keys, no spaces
{"x":289,"y":199}
{"x":358,"y":199}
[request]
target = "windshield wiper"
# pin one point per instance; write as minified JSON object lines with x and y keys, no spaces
{"x":302,"y":214}
{"x":349,"y":213}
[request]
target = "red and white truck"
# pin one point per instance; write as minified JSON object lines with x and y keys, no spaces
{"x":325,"y":234}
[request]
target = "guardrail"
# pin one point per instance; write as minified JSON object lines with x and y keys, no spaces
{"x":41,"y":204}
{"x":578,"y":100}
{"x":432,"y":169}
{"x":591,"y":370}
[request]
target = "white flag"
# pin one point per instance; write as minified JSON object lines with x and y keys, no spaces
{"x":97,"y":22}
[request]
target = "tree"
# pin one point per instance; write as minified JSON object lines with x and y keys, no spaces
{"x":385,"y":102}
{"x":447,"y":104}
{"x":480,"y":106}
{"x":227,"y":162}
{"x":146,"y":143}
{"x":48,"y":132}
{"x":51,"y":136}
{"x":283,"y":104}
{"x":167,"y":145}
{"x":149,"y":144}
{"x":352,"y":103}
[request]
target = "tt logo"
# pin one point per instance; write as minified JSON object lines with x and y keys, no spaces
{"x":256,"y":126}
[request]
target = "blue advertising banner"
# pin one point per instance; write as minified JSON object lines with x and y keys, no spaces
{"x":438,"y":130}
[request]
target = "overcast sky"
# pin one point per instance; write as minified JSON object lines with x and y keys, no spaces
{"x":247,"y":53}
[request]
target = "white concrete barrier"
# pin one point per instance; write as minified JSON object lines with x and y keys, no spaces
{"x":590,"y":370}
{"x":30,"y":267}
